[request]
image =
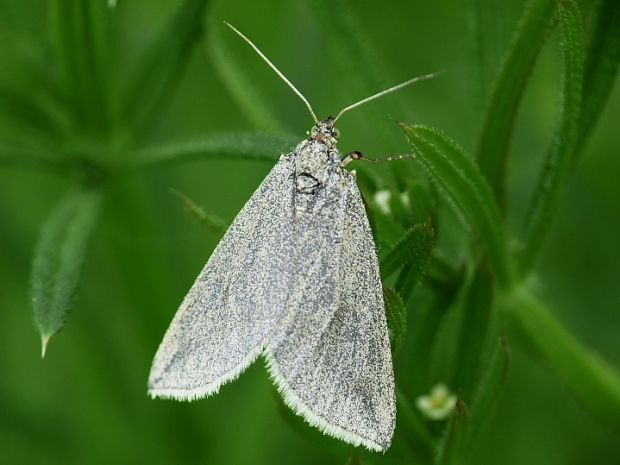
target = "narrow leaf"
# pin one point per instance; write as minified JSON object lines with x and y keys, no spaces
{"x":454,"y":441}
{"x":469,"y":420}
{"x":501,"y":112}
{"x":476,"y":320}
{"x":410,"y":276}
{"x":78,"y":29}
{"x":410,"y":420}
{"x":446,"y":285}
{"x":562,"y":151}
{"x":164,"y":62}
{"x":490,"y":387}
{"x":466,"y":189}
{"x":396,"y":314}
{"x":601,"y":67}
{"x":595,"y":382}
{"x":58,"y":260}
{"x":250,"y":146}
{"x":208,"y":220}
{"x":414,"y":247}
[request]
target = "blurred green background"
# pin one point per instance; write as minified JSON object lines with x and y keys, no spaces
{"x":86,"y":401}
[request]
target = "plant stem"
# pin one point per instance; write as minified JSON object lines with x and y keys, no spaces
{"x":594,"y":381}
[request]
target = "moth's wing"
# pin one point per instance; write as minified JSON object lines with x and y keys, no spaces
{"x":223,"y":322}
{"x":331,"y":360}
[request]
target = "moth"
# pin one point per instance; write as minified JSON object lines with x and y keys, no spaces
{"x":295,"y":279}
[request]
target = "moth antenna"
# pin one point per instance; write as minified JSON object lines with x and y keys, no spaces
{"x":385,"y":92}
{"x":272,"y":66}
{"x":359,"y":156}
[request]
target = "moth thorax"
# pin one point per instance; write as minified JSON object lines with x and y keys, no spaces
{"x":312,"y":166}
{"x":313,"y":159}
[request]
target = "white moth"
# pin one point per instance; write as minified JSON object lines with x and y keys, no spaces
{"x":296,"y":279}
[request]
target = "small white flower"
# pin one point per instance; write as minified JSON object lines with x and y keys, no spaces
{"x":439,"y":404}
{"x":382,"y":199}
{"x":405,"y":200}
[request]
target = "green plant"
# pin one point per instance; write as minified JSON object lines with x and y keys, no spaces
{"x":93,"y":128}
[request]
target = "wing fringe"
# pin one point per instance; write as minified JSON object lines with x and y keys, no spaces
{"x":209,"y":389}
{"x":298,"y":406}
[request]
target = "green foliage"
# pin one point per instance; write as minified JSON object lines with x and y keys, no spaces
{"x":500,"y":116}
{"x":58,"y":258}
{"x":396,"y":314}
{"x":595,"y":382}
{"x":469,"y":419}
{"x":466,"y":188}
{"x":454,"y":301}
{"x":251,"y":146}
{"x":474,"y":332}
{"x":208,"y":220}
{"x":239,"y":83}
{"x":79,"y":37}
{"x":412,"y":250}
{"x":601,"y":67}
{"x":562,"y":151}
{"x":162,"y":66}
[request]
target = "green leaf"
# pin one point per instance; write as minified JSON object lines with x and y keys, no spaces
{"x":595,"y":382}
{"x":601,"y":67}
{"x":208,"y":220}
{"x":466,"y":189}
{"x":410,"y":276}
{"x":242,"y":86}
{"x":422,"y":201}
{"x":411,"y":423}
{"x":250,"y":146}
{"x":492,"y":380}
{"x":454,"y":441}
{"x":396,"y":314}
{"x":446,"y":285}
{"x":501,"y":112}
{"x":79,"y":29}
{"x":157,"y":76}
{"x":474,"y":330}
{"x":561,"y":154}
{"x":469,"y":420}
{"x":58,"y":260}
{"x":414,"y":247}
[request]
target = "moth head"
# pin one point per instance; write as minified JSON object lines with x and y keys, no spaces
{"x":325,"y":132}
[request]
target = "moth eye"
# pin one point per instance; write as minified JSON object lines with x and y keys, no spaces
{"x":336,"y":133}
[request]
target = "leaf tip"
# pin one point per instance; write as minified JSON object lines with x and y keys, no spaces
{"x":44,"y":340}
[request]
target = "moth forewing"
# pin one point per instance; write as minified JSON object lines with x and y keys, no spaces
{"x":226,"y":318}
